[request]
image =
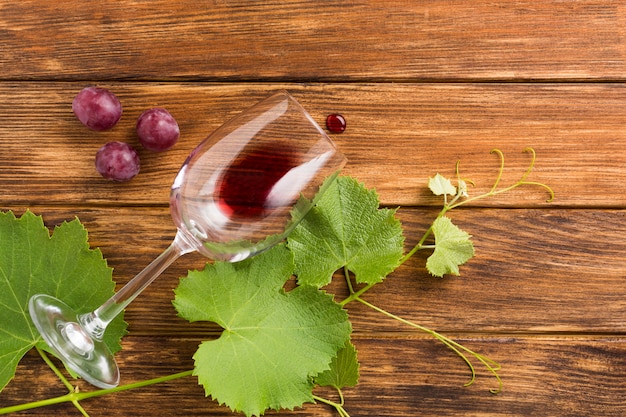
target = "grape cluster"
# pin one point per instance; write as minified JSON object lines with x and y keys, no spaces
{"x":99,"y":109}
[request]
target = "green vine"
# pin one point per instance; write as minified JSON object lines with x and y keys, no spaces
{"x":461,"y":197}
{"x":457,"y":199}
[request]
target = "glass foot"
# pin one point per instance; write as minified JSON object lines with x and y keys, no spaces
{"x":59,"y":326}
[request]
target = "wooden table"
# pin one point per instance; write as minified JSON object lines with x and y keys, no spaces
{"x":422,"y":84}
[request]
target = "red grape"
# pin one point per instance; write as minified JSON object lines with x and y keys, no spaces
{"x":157,"y":129}
{"x":117,"y":161}
{"x":97,"y":108}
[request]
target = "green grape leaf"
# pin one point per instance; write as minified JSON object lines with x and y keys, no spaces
{"x":273,"y":343}
{"x":31,"y":262}
{"x":344,"y":370}
{"x":347,"y":229}
{"x":453,"y":247}
{"x":440,"y":185}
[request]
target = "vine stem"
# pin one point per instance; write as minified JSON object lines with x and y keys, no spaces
{"x":54,"y":368}
{"x":75,"y":396}
{"x":420,"y":244}
{"x":60,"y":375}
{"x":457,"y":348}
{"x":337,"y":406}
{"x":354,"y":295}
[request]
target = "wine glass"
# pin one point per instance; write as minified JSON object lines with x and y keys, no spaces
{"x":241,"y":191}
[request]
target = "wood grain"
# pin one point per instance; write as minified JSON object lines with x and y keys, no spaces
{"x":407,"y":131}
{"x":394,"y":40}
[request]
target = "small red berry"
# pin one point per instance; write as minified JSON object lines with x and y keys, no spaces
{"x":336,"y":123}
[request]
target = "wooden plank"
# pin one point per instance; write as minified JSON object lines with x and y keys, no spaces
{"x":400,"y":376}
{"x":555,"y":271}
{"x":398,"y":135}
{"x":393,"y":40}
{"x":422,"y":85}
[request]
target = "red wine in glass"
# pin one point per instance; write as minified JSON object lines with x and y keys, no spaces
{"x":245,"y":189}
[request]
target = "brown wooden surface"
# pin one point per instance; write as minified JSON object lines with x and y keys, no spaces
{"x":422,"y":85}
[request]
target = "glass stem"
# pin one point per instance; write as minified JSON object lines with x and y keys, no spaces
{"x":96,"y":322}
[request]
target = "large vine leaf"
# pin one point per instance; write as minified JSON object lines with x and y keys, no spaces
{"x":347,"y":229}
{"x":273,"y":343}
{"x":31,"y":262}
{"x":453,"y":247}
